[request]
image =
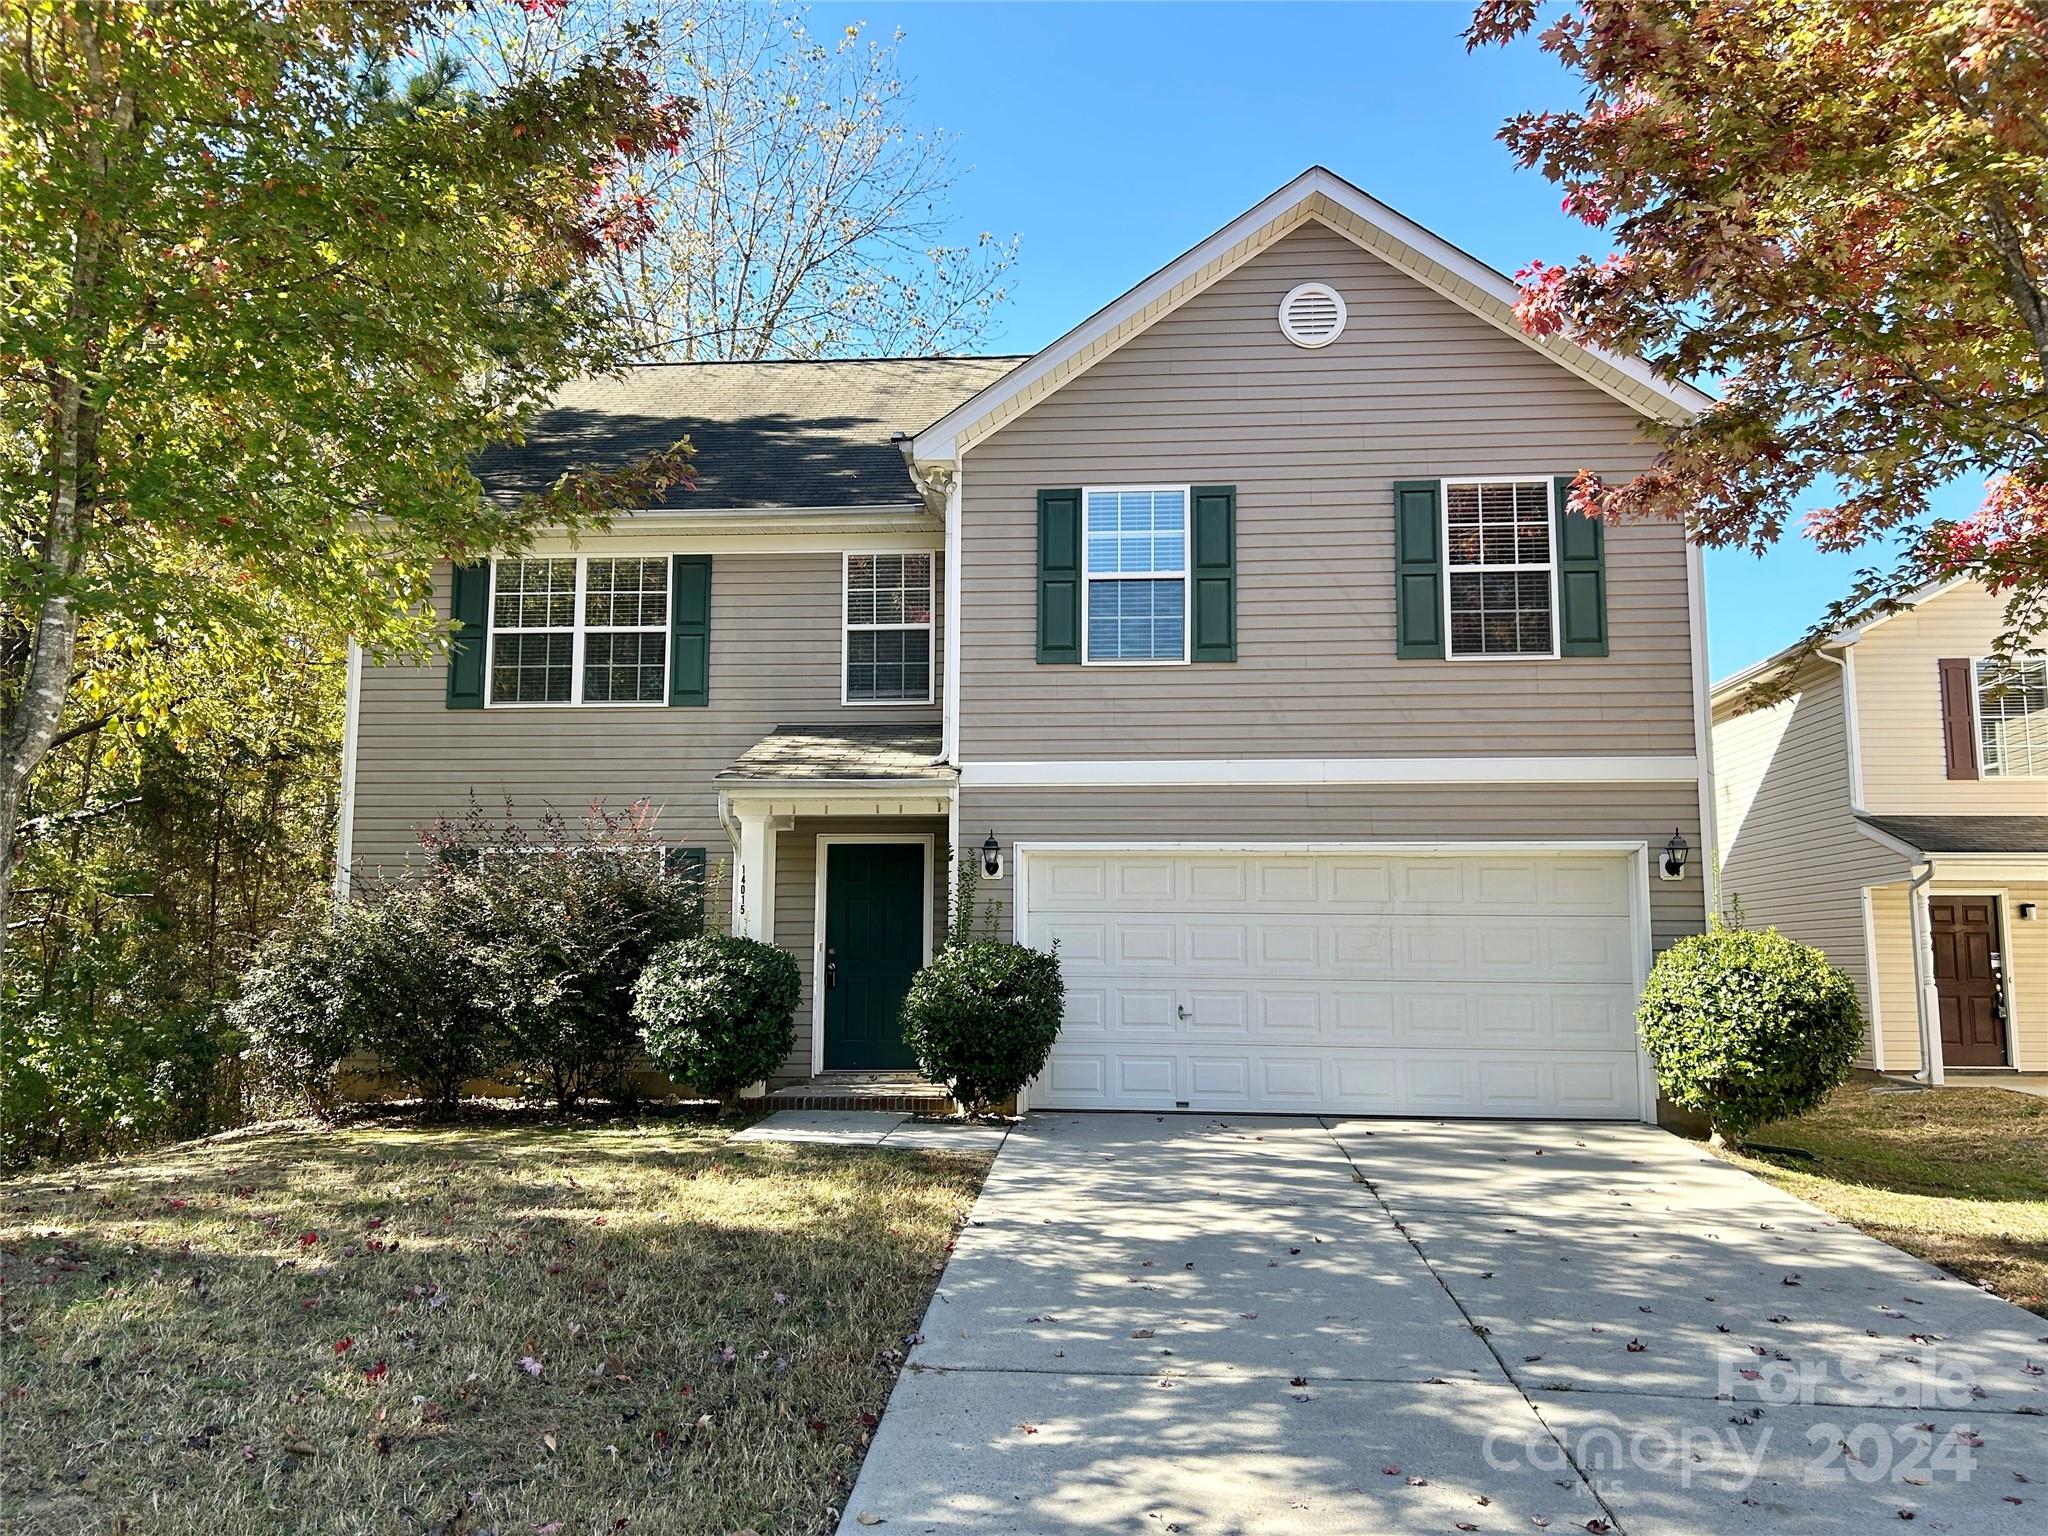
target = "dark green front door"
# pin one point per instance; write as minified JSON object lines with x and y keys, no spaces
{"x":874,"y":944}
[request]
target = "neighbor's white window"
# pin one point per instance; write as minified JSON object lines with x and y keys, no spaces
{"x":580,"y":630}
{"x":888,"y":629}
{"x":1134,"y":596}
{"x":2012,"y":718}
{"x":1498,"y":575}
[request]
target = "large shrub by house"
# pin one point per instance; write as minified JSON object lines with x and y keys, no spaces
{"x":717,"y":1012}
{"x":508,"y":955}
{"x":1747,"y":1026}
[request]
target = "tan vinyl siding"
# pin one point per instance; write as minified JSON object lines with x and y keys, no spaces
{"x":1792,"y":853}
{"x":2023,"y":944}
{"x":796,"y":902}
{"x":1313,"y":441}
{"x":775,"y":658}
{"x":1899,"y":712}
{"x":1448,"y":813}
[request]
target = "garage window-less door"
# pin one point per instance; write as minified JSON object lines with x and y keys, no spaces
{"x":1488,"y":983}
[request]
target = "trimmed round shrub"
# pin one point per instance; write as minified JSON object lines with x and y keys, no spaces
{"x":1747,"y":1026}
{"x":716,"y":1011}
{"x":983,"y":1016}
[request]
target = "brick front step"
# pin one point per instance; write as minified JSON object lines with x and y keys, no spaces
{"x":901,"y":1091}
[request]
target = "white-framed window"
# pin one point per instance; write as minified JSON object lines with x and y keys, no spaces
{"x":1134,"y":568}
{"x":579,"y":629}
{"x":2012,"y":717}
{"x":886,"y":643}
{"x":1500,"y":570}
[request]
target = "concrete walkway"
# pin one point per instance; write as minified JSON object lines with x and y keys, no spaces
{"x":1179,"y":1323}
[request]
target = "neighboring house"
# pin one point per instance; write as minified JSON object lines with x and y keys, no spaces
{"x":1245,"y":620}
{"x":1892,"y":809}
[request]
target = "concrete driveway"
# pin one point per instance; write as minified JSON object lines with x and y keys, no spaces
{"x":1180,"y":1323}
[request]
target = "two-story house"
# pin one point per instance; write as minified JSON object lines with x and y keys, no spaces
{"x":1891,"y":808}
{"x":1242,"y":632}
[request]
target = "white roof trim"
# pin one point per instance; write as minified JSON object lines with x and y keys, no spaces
{"x":1324,"y":196}
{"x":1841,"y":637}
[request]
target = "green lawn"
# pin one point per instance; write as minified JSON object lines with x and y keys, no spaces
{"x":1958,"y":1176}
{"x":508,"y":1328}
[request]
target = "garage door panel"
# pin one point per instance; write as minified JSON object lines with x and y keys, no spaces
{"x":1494,"y":984}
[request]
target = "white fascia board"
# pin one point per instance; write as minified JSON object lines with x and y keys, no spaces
{"x":1416,"y":251}
{"x":1159,"y":771}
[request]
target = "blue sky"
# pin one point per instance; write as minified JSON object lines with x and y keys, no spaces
{"x":1111,"y":137}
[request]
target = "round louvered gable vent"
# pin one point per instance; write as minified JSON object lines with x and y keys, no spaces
{"x":1312,"y":315}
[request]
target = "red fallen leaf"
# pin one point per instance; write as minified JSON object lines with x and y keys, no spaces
{"x":378,"y":1371}
{"x":818,"y":1427}
{"x":868,"y":1420}
{"x":1598,"y":1527}
{"x":1417,"y":1482}
{"x":1029,"y":1429}
{"x":1391,"y":1471}
{"x":1467,"y":1525}
{"x":2011,"y":1499}
{"x":308,"y":1239}
{"x":343,"y":1346}
{"x":1637,"y":1346}
{"x":663,"y":1439}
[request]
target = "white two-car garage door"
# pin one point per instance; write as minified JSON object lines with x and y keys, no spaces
{"x":1369,"y":982}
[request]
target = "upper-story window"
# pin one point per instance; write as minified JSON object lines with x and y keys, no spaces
{"x":2012,"y":717}
{"x":579,"y":629}
{"x":1134,"y":596}
{"x":1498,"y":569}
{"x":888,"y":629}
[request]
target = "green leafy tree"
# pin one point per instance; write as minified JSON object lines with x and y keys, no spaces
{"x":1839,"y":208}
{"x":268,"y":284}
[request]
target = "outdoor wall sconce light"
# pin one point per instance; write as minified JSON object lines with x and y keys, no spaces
{"x":2027,"y":911}
{"x":992,"y":858}
{"x":1675,"y":853}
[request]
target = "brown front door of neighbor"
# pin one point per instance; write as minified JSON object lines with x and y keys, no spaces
{"x":1966,"y":980}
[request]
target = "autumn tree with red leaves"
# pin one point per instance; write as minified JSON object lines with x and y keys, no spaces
{"x":1837,"y":210}
{"x":269,"y":280}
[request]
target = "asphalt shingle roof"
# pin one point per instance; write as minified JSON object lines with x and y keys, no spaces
{"x":785,"y":434}
{"x":843,"y":752}
{"x":1968,"y":834}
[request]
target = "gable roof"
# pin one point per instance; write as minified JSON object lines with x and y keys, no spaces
{"x":1321,"y":195}
{"x":1847,"y":635}
{"x":811,"y":435}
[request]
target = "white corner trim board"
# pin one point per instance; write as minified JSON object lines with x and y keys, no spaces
{"x":1155,"y":771}
{"x":345,"y":815}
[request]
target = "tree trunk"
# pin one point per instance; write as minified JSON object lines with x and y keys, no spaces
{"x":73,"y":454}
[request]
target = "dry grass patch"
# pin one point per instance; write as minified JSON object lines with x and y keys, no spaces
{"x":508,"y":1329}
{"x":1958,"y":1176}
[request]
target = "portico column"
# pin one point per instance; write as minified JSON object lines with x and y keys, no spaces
{"x":1921,"y":924}
{"x":753,"y":879}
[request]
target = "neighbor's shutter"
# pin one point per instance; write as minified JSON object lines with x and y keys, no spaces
{"x":1959,"y":715}
{"x":1581,"y":579}
{"x":1059,"y":576}
{"x":689,"y":630}
{"x":1418,"y":570}
{"x":469,"y":605}
{"x":1214,"y":570}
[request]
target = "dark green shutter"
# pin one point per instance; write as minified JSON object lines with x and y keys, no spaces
{"x":688,"y":865}
{"x":469,"y":605}
{"x":1215,"y":572}
{"x":1581,"y":579}
{"x":689,"y":630}
{"x":1418,"y":570}
{"x":1059,"y":576}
